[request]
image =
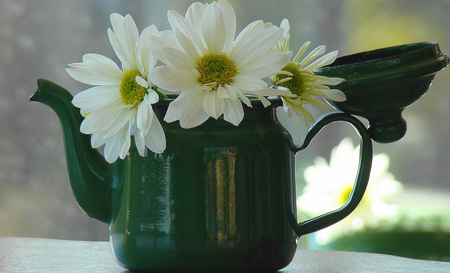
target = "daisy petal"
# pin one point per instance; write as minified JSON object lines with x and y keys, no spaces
{"x":301,"y":51}
{"x":286,"y":107}
{"x":314,"y":54}
{"x":233,"y":112}
{"x":241,"y":96}
{"x":155,"y":140}
{"x":98,"y":123}
{"x":100,"y":120}
{"x":152,"y":97}
{"x":176,"y":107}
{"x":147,"y":33}
{"x":186,"y":44}
{"x":177,"y":22}
{"x":124,"y":39}
{"x":97,"y":140}
{"x":129,"y":39}
{"x":319,"y":104}
{"x":335,"y":95}
{"x":87,"y":77}
{"x":169,"y":38}
{"x":96,"y":70}
{"x":213,"y":104}
{"x":193,"y":113}
{"x":194,"y":14}
{"x":327,"y":81}
{"x":96,"y":96}
{"x":139,"y":140}
{"x":323,"y":61}
{"x":231,"y":92}
{"x":257,"y":45}
{"x":126,"y":142}
{"x":172,"y":79}
{"x":213,"y":29}
{"x":143,"y":117}
{"x":118,"y":47}
{"x":305,"y":116}
{"x":122,"y":121}
{"x":179,"y":59}
{"x":226,"y":92}
{"x":161,"y":40}
{"x":270,"y":92}
{"x":244,"y":35}
{"x":111,"y":151}
{"x":156,"y":44}
{"x":248,"y":83}
{"x":118,"y":145}
{"x":139,"y":80}
{"x":264,"y":101}
{"x":271,"y":62}
{"x":103,"y":65}
{"x":144,"y":58}
{"x":222,"y":92}
{"x":230,"y":23}
{"x":286,"y":26}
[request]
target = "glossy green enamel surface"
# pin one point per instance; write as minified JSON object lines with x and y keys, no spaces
{"x":380,"y":84}
{"x":220,"y":198}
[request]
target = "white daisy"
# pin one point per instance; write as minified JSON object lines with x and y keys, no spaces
{"x":329,"y":187}
{"x":211,"y":68}
{"x":301,"y":81}
{"x":121,"y":99}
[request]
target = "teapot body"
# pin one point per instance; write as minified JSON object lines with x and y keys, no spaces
{"x":220,"y":198}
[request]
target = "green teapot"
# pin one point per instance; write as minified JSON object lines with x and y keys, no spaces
{"x":221,"y":198}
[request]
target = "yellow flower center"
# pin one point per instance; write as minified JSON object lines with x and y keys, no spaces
{"x":345,"y":194}
{"x":216,"y":68}
{"x":295,"y":85}
{"x":130,"y":90}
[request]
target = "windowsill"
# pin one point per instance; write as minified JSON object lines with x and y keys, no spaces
{"x":49,"y":255}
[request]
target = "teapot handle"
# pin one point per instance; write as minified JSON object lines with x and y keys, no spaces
{"x":362,"y":178}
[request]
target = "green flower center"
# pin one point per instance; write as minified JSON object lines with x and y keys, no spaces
{"x":216,"y":68}
{"x":130,"y":90}
{"x":295,"y":85}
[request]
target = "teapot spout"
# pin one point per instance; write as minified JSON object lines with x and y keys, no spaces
{"x":89,"y":173}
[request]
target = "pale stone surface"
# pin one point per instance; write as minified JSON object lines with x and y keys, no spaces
{"x":49,"y":255}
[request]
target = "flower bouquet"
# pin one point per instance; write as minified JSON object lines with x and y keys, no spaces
{"x":207,"y":70}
